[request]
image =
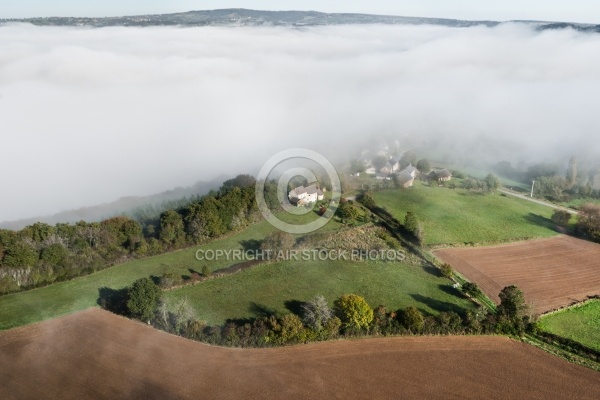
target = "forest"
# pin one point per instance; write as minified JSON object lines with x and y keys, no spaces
{"x":41,"y":254}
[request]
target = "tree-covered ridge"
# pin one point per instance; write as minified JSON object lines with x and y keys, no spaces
{"x":41,"y":254}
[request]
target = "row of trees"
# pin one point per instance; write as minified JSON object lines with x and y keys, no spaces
{"x":41,"y":254}
{"x":588,"y":221}
{"x":552,"y":183}
{"x":490,"y":183}
{"x":350,"y":315}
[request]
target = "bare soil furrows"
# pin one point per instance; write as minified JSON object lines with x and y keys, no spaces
{"x":95,"y":354}
{"x":553,"y":273}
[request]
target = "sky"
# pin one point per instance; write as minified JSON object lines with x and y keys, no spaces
{"x":587,"y":11}
{"x":90,"y":115}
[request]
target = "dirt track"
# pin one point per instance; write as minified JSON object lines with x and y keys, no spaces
{"x":94,"y":354}
{"x":553,"y":273}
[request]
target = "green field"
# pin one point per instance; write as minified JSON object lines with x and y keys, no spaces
{"x":457,"y":216}
{"x":80,"y":293}
{"x":83,"y":292}
{"x":581,"y":324}
{"x":268,"y":287}
{"x":244,"y":294}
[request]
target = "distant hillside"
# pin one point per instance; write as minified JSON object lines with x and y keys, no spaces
{"x":124,"y":205}
{"x":244,"y":17}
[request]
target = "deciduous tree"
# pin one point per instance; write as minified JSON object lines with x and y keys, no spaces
{"x":143,"y":297}
{"x":379,"y":162}
{"x":408,"y":157}
{"x":316,"y":313}
{"x":171,"y":227}
{"x":512,"y":303}
{"x":446,"y":270}
{"x":423,"y":166}
{"x":588,"y":222}
{"x":492,"y":182}
{"x":412,"y":319}
{"x":353,"y":311}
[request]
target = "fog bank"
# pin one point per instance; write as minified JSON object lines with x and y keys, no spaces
{"x":90,"y":115}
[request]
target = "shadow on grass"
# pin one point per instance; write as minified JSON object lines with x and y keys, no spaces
{"x":437,"y":305}
{"x":430,"y":269}
{"x":541,"y":221}
{"x":251,"y":244}
{"x":452,"y":291}
{"x":239,"y":321}
{"x":261,"y":310}
{"x":113,"y":300}
{"x":294,"y":306}
{"x":155,"y":279}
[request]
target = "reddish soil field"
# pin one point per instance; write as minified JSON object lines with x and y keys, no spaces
{"x":94,"y":354}
{"x":553,"y":273}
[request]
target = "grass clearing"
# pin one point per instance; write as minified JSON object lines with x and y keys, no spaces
{"x":457,"y":216}
{"x":580,"y":323}
{"x":272,"y":287}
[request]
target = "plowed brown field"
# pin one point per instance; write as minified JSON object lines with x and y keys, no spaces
{"x":94,"y":354}
{"x":553,"y":273}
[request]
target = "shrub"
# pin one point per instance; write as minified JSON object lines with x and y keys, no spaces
{"x":447,"y":271}
{"x":367,"y":200}
{"x":561,"y":217}
{"x":411,"y":223}
{"x":471,"y":289}
{"x":291,"y":328}
{"x":412,"y":319}
{"x":353,"y":311}
{"x":168,"y":279}
{"x":278,"y":241}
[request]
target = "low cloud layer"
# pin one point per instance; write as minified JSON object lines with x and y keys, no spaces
{"x":89,"y":115}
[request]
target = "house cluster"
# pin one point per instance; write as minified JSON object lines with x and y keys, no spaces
{"x":304,"y":195}
{"x":406,"y":176}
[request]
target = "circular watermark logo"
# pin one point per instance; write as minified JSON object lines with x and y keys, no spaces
{"x":296,"y":200}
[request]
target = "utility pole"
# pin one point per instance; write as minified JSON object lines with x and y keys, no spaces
{"x":532,"y":184}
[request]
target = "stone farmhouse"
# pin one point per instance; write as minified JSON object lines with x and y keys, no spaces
{"x":407,"y":176}
{"x":442,"y":175}
{"x":304,"y":195}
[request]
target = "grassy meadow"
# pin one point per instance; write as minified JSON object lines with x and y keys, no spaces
{"x":457,"y":216}
{"x":449,"y":216}
{"x":83,"y":292}
{"x":581,"y":324}
{"x":278,"y":287}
